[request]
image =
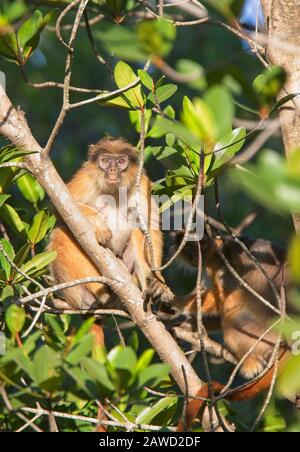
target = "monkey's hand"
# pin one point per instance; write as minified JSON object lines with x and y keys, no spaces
{"x":157,"y":289}
{"x":103,"y":236}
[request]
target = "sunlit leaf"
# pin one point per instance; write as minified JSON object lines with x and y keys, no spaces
{"x":15,"y":318}
{"x":124,"y":76}
{"x":39,"y":227}
{"x":4,"y":264}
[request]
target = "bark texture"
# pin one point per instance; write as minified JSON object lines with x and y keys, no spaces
{"x":283,"y":49}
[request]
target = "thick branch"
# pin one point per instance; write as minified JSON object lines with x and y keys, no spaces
{"x":283,"y":20}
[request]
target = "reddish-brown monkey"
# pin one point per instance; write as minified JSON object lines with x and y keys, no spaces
{"x":243,"y":317}
{"x":104,"y":188}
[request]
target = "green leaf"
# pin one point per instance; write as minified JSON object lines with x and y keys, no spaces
{"x":153,"y":374}
{"x":122,"y":358}
{"x":232,"y":143}
{"x":118,"y":101}
{"x":273,"y":423}
{"x":135,"y":119}
{"x":246,"y":108}
{"x":84,"y":329}
{"x":15,"y":318}
{"x":6,"y":177}
{"x":148,"y":415}
{"x":11,"y":153}
{"x":122,"y":42}
{"x":55,"y":327}
{"x":31,"y":33}
{"x":272,"y":183}
{"x":97,"y":372}
{"x":193,"y":69}
{"x":214,"y":97}
{"x":289,"y":382}
{"x":80,"y":350}
{"x":39,"y":227}
{"x":144,"y":359}
{"x":11,"y":217}
{"x":270,"y":81}
{"x":9,"y":46}
{"x":45,"y":362}
{"x":84,"y":382}
{"x":172,"y":159}
{"x":146,"y":79}
{"x":3,"y":198}
{"x":125,"y":76}
{"x":4,"y":264}
{"x":133,"y":341}
{"x":30,"y":188}
{"x":7,"y":292}
{"x":36,"y":264}
{"x":199,"y":118}
{"x":15,"y":10}
{"x":21,"y":255}
{"x":156,"y":131}
{"x":180,"y":131}
{"x":162,"y":93}
{"x":29,"y":29}
{"x":156,"y":36}
{"x":23,"y":361}
{"x":282,"y":101}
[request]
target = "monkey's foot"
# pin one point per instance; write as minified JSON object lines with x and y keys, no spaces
{"x":158,"y":290}
{"x":251,"y":368}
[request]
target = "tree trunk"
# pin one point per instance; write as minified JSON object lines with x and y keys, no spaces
{"x":283,"y":49}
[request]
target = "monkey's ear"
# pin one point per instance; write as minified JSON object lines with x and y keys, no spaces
{"x":92,"y":152}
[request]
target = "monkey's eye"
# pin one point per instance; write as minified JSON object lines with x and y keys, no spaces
{"x":122,"y":161}
{"x":104,"y":162}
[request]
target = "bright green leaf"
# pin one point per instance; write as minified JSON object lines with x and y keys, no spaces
{"x":15,"y":318}
{"x":124,"y":76}
{"x":39,"y":227}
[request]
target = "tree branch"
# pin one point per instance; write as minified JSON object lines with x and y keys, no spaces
{"x":283,"y":21}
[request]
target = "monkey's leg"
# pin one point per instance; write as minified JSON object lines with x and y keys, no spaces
{"x":135,"y":259}
{"x":188,"y":304}
{"x":72,"y":263}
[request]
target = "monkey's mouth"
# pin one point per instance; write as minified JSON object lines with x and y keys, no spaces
{"x":113,"y":180}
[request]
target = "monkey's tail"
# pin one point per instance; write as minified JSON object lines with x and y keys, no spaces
{"x":246,"y":392}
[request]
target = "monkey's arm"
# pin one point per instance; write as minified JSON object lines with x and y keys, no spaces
{"x":102,"y":231}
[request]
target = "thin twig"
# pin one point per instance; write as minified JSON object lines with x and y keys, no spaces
{"x":92,"y":279}
{"x":19,"y":415}
{"x":91,"y":420}
{"x":236,"y":275}
{"x":68,"y":69}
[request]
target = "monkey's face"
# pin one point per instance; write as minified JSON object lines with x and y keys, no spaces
{"x":114,"y":167}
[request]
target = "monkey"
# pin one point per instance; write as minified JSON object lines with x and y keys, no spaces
{"x":243,"y":318}
{"x":104,"y":189}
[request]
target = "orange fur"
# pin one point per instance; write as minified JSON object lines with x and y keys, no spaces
{"x":87,"y":186}
{"x":243,"y":317}
{"x":247,"y":392}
